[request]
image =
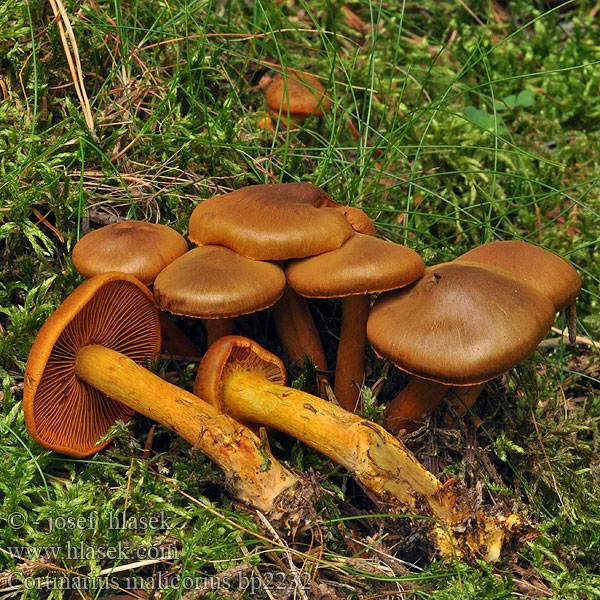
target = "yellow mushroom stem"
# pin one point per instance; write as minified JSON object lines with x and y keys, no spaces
{"x":407,"y":410}
{"x":298,"y":333}
{"x":252,"y":474}
{"x":217,"y":328}
{"x":377,"y":459}
{"x":350,"y":366}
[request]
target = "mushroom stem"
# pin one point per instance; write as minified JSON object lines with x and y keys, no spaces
{"x":297,"y":330}
{"x":378,"y":460}
{"x":460,"y":399}
{"x":174,"y":340}
{"x":253,"y":475}
{"x":217,"y":328}
{"x":406,"y":410}
{"x":350,"y":367}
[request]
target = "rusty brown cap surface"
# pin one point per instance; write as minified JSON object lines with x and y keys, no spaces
{"x":460,"y":324}
{"x":135,"y":247}
{"x":270,"y":222}
{"x":214,"y":282}
{"x":63,"y":413}
{"x":230,"y":354}
{"x":548,"y":273}
{"x":362,"y":265}
{"x":300,"y":94}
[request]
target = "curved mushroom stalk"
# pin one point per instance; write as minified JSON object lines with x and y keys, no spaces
{"x":246,"y":381}
{"x":83,"y":374}
{"x":252,"y":474}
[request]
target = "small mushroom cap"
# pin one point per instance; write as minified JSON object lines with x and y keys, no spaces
{"x":460,"y":324}
{"x":135,"y":247}
{"x":362,"y":265}
{"x":63,"y":413}
{"x":548,"y":273}
{"x":270,"y":222}
{"x":297,"y":93}
{"x":213,"y":282}
{"x":231,"y":354}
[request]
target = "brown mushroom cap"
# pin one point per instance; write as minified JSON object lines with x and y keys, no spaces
{"x":135,"y":247}
{"x":548,"y":273}
{"x":213,"y":282}
{"x":235,"y":353}
{"x":358,"y":218}
{"x":63,"y":413}
{"x":270,"y":222}
{"x":460,"y":324}
{"x":297,"y":93}
{"x":362,"y":265}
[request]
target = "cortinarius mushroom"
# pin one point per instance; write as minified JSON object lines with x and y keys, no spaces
{"x":270,"y":222}
{"x":83,"y":374}
{"x":363,"y":265}
{"x":216,"y":284}
{"x":133,"y":247}
{"x":241,"y":378}
{"x":546,"y":272}
{"x":295,"y":96}
{"x":460,"y":324}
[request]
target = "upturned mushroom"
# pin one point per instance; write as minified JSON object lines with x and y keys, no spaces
{"x":216,"y":284}
{"x":363,"y":265}
{"x":295,"y":95}
{"x":239,"y":377}
{"x":139,"y":249}
{"x":461,"y":324}
{"x":84,"y":372}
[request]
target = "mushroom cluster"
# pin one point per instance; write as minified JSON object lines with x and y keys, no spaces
{"x":453,"y":325}
{"x":468,"y":321}
{"x":85,"y":371}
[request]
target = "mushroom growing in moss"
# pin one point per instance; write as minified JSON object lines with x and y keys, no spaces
{"x":296,"y":95}
{"x":216,"y":284}
{"x":239,"y":377}
{"x":140,"y":249}
{"x":459,"y":325}
{"x":363,"y":265}
{"x":84,"y":372}
{"x":134,"y":247}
